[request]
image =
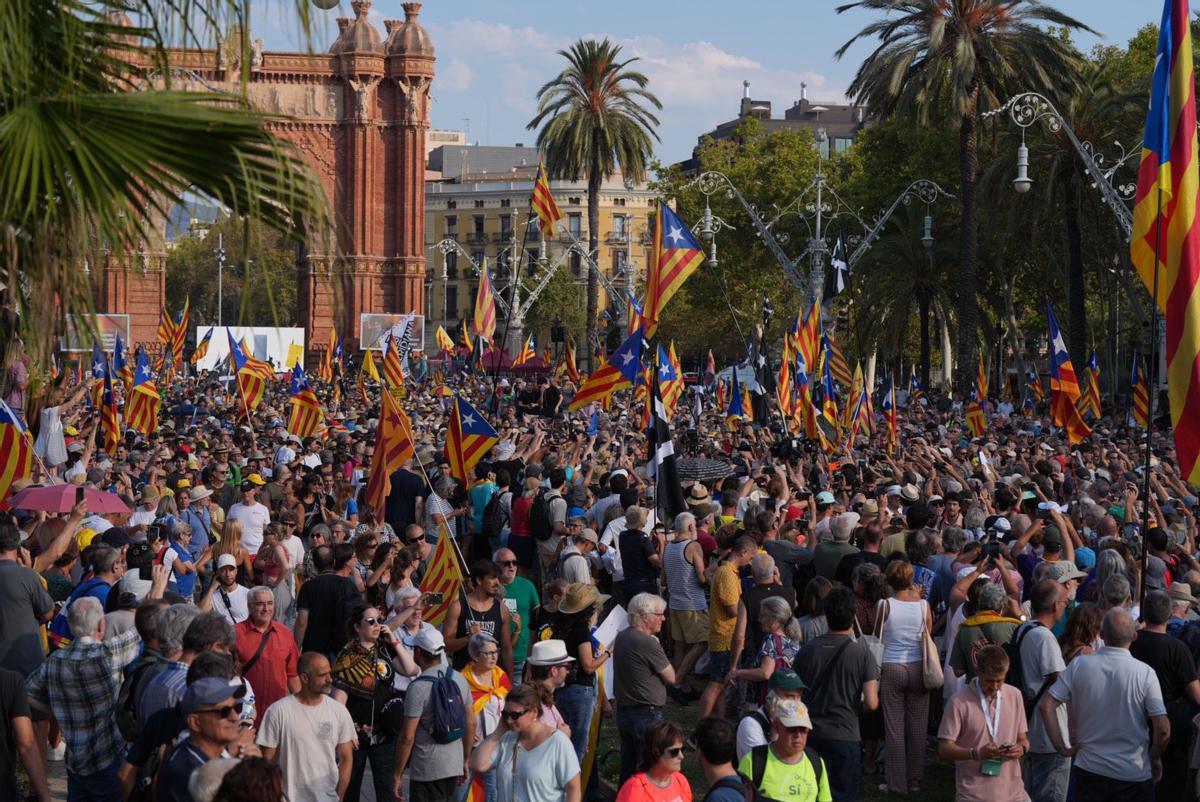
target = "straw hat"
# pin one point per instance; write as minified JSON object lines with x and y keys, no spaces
{"x":580,"y":596}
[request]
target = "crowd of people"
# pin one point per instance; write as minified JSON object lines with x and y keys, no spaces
{"x":252,"y":629}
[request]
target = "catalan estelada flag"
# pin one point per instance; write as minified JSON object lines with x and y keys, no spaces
{"x":837,"y":362}
{"x":672,"y":390}
{"x":829,"y":409}
{"x":99,"y":369}
{"x":914,"y":386}
{"x":737,"y":402}
{"x":1140,"y":386}
{"x":1165,"y":226}
{"x":393,"y":368}
{"x":527,"y":353}
{"x":325,"y":366}
{"x":785,"y":391}
{"x":141,"y":410}
{"x":305,"y":416}
{"x":889,"y":415}
{"x":485,"y":305}
{"x":443,"y":575}
{"x":121,"y":366}
{"x":251,"y":379}
{"x":1064,"y":386}
{"x":393,"y":447}
{"x":1033,"y":383}
{"x":975,"y":419}
{"x":16,"y":450}
{"x":633,"y":311}
{"x":676,"y":256}
{"x":619,"y":371}
{"x":1089,"y":401}
{"x":179,"y":332}
{"x":166,"y":328}
{"x":544,"y":203}
{"x":808,"y":336}
{"x":443,"y":340}
{"x":202,"y":347}
{"x":468,"y":438}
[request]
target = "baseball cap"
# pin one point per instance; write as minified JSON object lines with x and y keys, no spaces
{"x":209,"y":691}
{"x":430,"y":640}
{"x":590,"y":536}
{"x":226,"y":561}
{"x":792,"y":713}
{"x":786,"y":679}
{"x":825,"y":497}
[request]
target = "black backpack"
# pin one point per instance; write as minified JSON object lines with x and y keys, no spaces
{"x":758,"y":767}
{"x":540,"y":525}
{"x":738,"y":782}
{"x":127,"y":719}
{"x":1016,"y":672}
{"x":449,"y":709}
{"x":494,"y":516}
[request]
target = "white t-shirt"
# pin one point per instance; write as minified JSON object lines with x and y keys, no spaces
{"x":1040,"y":657}
{"x":253,"y":518}
{"x":239,"y":603}
{"x":284,"y":455}
{"x":142,"y":517}
{"x":295,"y":552}
{"x":307,"y":738}
{"x":750,"y":734}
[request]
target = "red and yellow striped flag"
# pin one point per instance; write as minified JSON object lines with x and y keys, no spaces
{"x":443,"y":340}
{"x":141,"y":409}
{"x":393,"y":447}
{"x":544,"y":204}
{"x":393,"y":368}
{"x":569,"y":361}
{"x":976,"y":419}
{"x":443,"y":575}
{"x":16,"y":450}
{"x":485,"y":306}
{"x":325,"y":366}
{"x":528,"y":352}
{"x":202,"y":348}
{"x":1165,"y":243}
{"x":179,"y":332}
{"x":672,"y":390}
{"x":981,"y":381}
{"x":305,"y":416}
{"x":1141,"y":392}
{"x":468,"y":438}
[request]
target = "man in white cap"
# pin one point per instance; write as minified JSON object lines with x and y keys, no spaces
{"x":225,"y":595}
{"x":787,"y":768}
{"x":199,"y":517}
{"x":435,"y":768}
{"x":252,"y":515}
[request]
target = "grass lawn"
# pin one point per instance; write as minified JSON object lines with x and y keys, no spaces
{"x":938,"y":784}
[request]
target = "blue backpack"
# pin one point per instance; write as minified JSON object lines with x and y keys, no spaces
{"x":59,"y":631}
{"x":449,"y":709}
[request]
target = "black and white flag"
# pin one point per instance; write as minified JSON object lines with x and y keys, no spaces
{"x":837,"y":280}
{"x":662,"y":469}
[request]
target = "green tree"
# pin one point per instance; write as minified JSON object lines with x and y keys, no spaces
{"x":960,"y":58}
{"x":561,"y":303}
{"x":251,"y":293}
{"x":595,"y":121}
{"x":91,"y":159}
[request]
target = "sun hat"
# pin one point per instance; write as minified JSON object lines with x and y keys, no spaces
{"x":549,"y":653}
{"x":580,"y":596}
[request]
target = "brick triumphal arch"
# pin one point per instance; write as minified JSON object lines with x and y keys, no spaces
{"x":359,"y":114}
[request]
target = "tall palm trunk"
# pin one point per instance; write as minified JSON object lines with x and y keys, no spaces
{"x":1077,"y":312}
{"x":923,"y":303}
{"x":968,"y":310}
{"x":593,"y":287}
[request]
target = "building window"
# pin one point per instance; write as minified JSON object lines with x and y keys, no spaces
{"x":573,"y":201}
{"x":451,"y":220}
{"x":620,"y":227}
{"x":575,"y":224}
{"x":506,"y":226}
{"x":618,"y":261}
{"x":477,"y":224}
{"x":451,"y":204}
{"x":505,"y":203}
{"x":452,"y":264}
{"x":842,"y":144}
{"x":452,"y":302}
{"x":503,"y":261}
{"x":478,"y":204}
{"x":575,"y":261}
{"x":478,"y":258}
{"x":618,"y":201}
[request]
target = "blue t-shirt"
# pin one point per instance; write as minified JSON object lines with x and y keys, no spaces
{"x":727,"y":789}
{"x":480,"y":495}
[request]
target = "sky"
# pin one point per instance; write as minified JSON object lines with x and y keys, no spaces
{"x":492,"y":56}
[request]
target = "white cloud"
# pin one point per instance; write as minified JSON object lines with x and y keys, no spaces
{"x":455,"y":76}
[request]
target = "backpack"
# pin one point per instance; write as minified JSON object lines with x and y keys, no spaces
{"x":738,"y":782}
{"x":1016,"y":672}
{"x":758,"y":767}
{"x":557,"y":573}
{"x":494,"y":516}
{"x":540,"y":525}
{"x":59,"y":631}
{"x":127,"y":719}
{"x":449,"y":709}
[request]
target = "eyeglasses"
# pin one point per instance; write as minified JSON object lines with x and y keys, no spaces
{"x":507,"y":563}
{"x":372,"y":621}
{"x":492,"y":653}
{"x":795,"y":730}
{"x":223,"y":712}
{"x":513,"y":715}
{"x":674,"y":751}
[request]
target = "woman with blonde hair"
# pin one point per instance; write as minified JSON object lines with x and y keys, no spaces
{"x":231,"y":543}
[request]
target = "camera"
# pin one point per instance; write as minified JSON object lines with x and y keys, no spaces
{"x":990,"y":550}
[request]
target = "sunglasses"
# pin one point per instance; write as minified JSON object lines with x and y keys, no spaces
{"x":674,"y":751}
{"x":222,"y":712}
{"x":372,"y":621}
{"x":513,"y":715}
{"x":795,"y":730}
{"x":507,"y":563}
{"x":414,"y":541}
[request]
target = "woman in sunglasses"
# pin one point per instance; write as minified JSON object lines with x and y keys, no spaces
{"x":532,"y":762}
{"x":362,"y":680}
{"x":661,"y":776}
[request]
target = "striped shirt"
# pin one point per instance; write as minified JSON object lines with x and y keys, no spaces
{"x":686,"y":592}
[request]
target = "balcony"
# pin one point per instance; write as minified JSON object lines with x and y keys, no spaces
{"x":568,"y":236}
{"x":477,"y":238}
{"x":503,"y":237}
{"x":617,"y":237}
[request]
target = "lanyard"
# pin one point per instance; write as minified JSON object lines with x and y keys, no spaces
{"x":991,"y":722}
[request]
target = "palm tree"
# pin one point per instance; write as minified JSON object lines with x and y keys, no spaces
{"x":960,"y":55}
{"x":93,"y":156}
{"x":594,"y":122}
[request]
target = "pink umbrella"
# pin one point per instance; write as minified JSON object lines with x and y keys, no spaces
{"x":61,"y":498}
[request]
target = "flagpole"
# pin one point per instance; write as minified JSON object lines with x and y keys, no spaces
{"x":1152,"y":385}
{"x":429,"y":482}
{"x":512,"y":297}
